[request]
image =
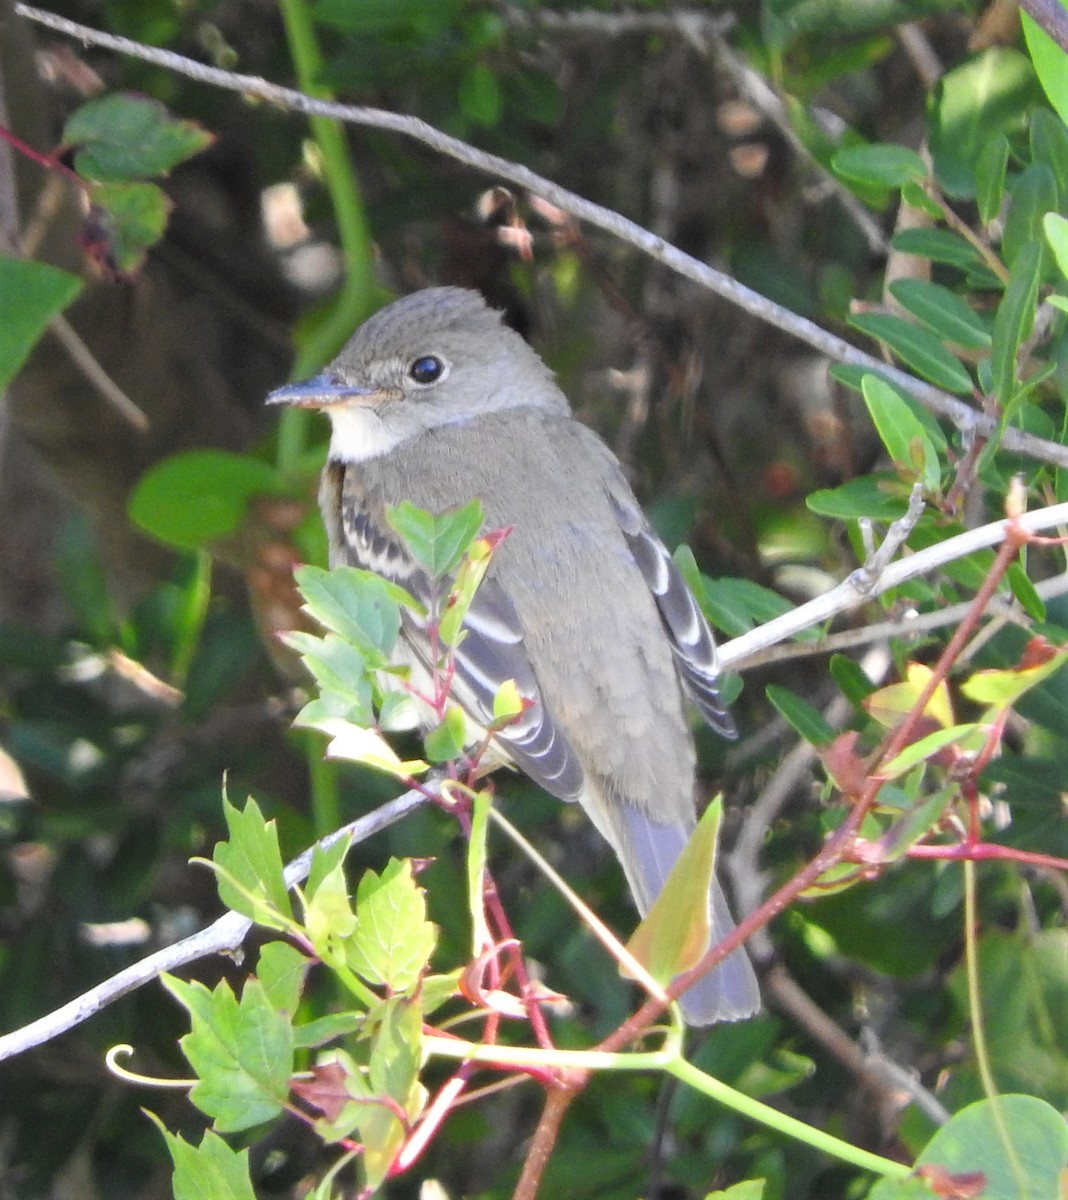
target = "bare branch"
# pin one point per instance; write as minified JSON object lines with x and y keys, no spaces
{"x":966,"y":418}
{"x":860,"y":586}
{"x":225,"y":934}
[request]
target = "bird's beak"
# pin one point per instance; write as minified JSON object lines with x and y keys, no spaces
{"x":327,"y":391}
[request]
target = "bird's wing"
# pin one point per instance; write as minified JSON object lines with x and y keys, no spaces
{"x":490,"y":653}
{"x":691,"y":639}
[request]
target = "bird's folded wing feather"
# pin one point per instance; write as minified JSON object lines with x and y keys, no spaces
{"x":490,"y":653}
{"x":691,"y":639}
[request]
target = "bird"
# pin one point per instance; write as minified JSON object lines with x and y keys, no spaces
{"x":435,"y":400}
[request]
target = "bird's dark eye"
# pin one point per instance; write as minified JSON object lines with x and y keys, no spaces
{"x":426,"y":369}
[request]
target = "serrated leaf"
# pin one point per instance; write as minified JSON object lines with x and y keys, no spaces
{"x":359,"y":606}
{"x":241,"y":1051}
{"x":211,"y":1169}
{"x":1014,"y":320}
{"x":31,"y":294}
{"x":393,"y":940}
{"x":324,"y":1030}
{"x":674,"y":933}
{"x":943,"y":312}
{"x":918,"y":348}
{"x":194,"y":498}
{"x":437,"y":542}
{"x":446,"y":741}
{"x":800,"y":715}
{"x":252,"y":860}
{"x":356,"y":743}
{"x":281,"y":970}
{"x":123,"y":137}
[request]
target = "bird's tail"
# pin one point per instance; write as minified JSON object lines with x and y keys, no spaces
{"x":648,"y":850}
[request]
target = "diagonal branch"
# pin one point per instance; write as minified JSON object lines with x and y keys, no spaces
{"x":971,"y":422}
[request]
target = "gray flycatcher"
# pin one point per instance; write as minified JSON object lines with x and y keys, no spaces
{"x":435,"y":401}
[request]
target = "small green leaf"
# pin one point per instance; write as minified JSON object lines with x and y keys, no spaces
{"x":241,"y":1050}
{"x":251,"y":858}
{"x":446,"y":741}
{"x":358,"y":744}
{"x":943,"y":312}
{"x":123,"y":137}
{"x":674,"y":934}
{"x":800,"y":715}
{"x":393,"y":940}
{"x":939,"y":245}
{"x":1055,"y":228}
{"x":437,"y":542}
{"x":126,"y":220}
{"x":990,"y":177}
{"x":900,"y":431}
{"x":359,"y":606}
{"x":988,"y":94}
{"x":968,"y":736}
{"x":1003,"y":688}
{"x":343,"y":675}
{"x":852,"y":682}
{"x":507,"y":702}
{"x":196,"y":497}
{"x":281,"y":970}
{"x":1014,"y":320}
{"x":1032,"y":196}
{"x":886,"y":164}
{"x":1049,"y":145}
{"x":31,"y":294}
{"x":473,"y":567}
{"x":737,"y":605}
{"x":210,"y":1169}
{"x":918,"y":348}
{"x":479,"y":95}
{"x":877,"y":496}
{"x":1048,"y":60}
{"x":1025,"y":592}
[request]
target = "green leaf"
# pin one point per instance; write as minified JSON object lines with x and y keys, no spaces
{"x":83,"y":582}
{"x":918,"y":348}
{"x":886,"y":164}
{"x":877,"y":496}
{"x":31,"y":294}
{"x":852,"y":682}
{"x":905,"y":439}
{"x":1003,"y":688}
{"x":990,"y":177}
{"x":1014,"y":320}
{"x":748,"y":1189}
{"x":393,"y":939}
{"x":1033,"y":195}
{"x":126,"y":220}
{"x":241,"y":1050}
{"x":736,"y":605}
{"x":800,"y":715}
{"x":479,"y":95}
{"x":437,"y":542}
{"x":256,"y":886}
{"x":939,"y":245}
{"x":1019,"y":1143}
{"x":343,"y":675}
{"x":986,"y":95}
{"x":123,"y":137}
{"x":211,"y":1169}
{"x":281,"y":970}
{"x":194,"y":498}
{"x":943,"y":312}
{"x":1049,"y":145}
{"x":1055,"y":228}
{"x":675,"y":932}
{"x":359,"y":606}
{"x":446,"y":741}
{"x":926,"y":747}
{"x":1048,"y":60}
{"x":473,"y":567}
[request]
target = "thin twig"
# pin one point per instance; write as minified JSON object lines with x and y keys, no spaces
{"x":861,"y":586}
{"x":966,"y":418}
{"x":225,"y":934}
{"x":84,"y":360}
